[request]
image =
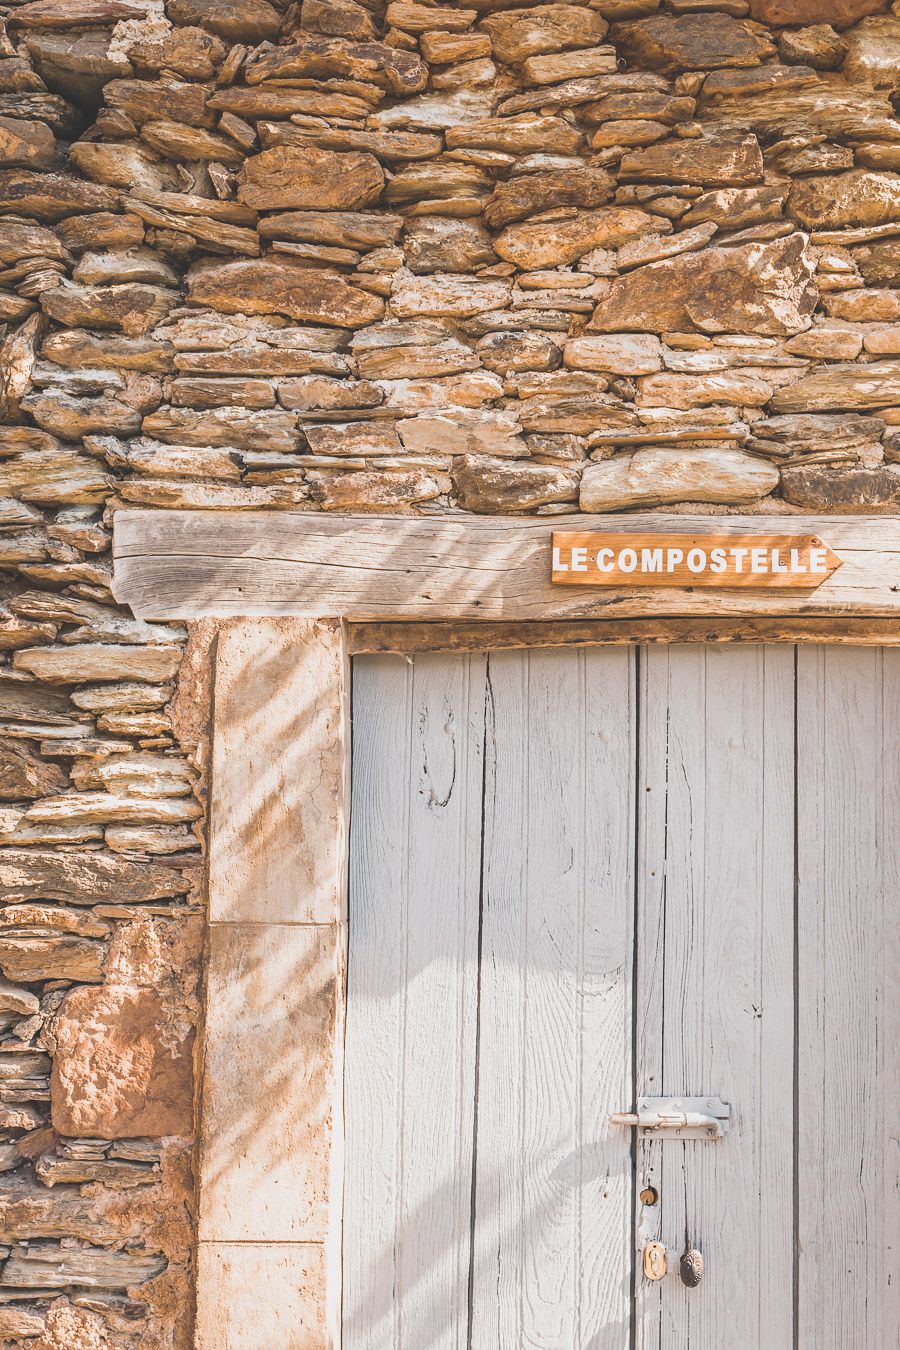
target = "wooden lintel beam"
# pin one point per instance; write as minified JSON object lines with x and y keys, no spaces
{"x":409,"y":638}
{"x":194,"y":564}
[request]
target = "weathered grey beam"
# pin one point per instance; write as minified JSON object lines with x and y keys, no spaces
{"x":190,"y":564}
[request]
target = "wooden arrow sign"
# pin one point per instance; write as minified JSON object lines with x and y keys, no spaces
{"x":729,"y":561}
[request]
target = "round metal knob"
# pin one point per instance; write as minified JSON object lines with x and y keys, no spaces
{"x":691,"y":1267}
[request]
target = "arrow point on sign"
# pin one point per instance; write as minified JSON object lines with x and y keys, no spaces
{"x":832,"y":561}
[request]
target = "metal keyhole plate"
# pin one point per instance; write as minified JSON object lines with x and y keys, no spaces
{"x":654,"y":1260}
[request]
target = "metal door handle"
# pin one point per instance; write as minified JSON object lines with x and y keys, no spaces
{"x":690,"y":1268}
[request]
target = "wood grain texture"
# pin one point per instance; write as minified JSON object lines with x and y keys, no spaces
{"x":279,"y":796}
{"x":412,"y":990}
{"x":714,"y":981}
{"x":552,"y":1186}
{"x":187,"y":564}
{"x":553,"y":1189}
{"x":737,"y":803}
{"x":470,"y":636}
{"x":848,"y":998}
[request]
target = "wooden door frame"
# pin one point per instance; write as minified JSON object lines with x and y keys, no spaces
{"x":270,"y":1106}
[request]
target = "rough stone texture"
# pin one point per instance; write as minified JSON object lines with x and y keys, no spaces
{"x":280,"y":286}
{"x":488,"y":487}
{"x":754,"y":288}
{"x":707,"y":161}
{"x":829,"y":201}
{"x":284,"y":177}
{"x":122,"y":1068}
{"x":343,"y":256}
{"x":670,"y":43}
{"x":654,"y":476}
{"x":818,"y":46}
{"x":554,"y":243}
{"x":874,"y":51}
{"x":840,"y":13}
{"x":617,"y":353}
{"x":856,"y":490}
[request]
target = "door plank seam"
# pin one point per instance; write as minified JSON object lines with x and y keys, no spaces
{"x":487,"y":730}
{"x":635,"y":887}
{"x":795,"y":1103}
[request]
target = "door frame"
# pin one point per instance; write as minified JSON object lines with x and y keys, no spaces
{"x":270,"y":1099}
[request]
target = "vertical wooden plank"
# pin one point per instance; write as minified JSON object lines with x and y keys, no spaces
{"x":607,"y":999}
{"x":410,"y":1049}
{"x":888,"y":1240}
{"x":714,"y":980}
{"x":552,"y":1204}
{"x":849,"y":997}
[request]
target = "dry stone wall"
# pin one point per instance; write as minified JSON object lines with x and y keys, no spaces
{"x":354,"y":255}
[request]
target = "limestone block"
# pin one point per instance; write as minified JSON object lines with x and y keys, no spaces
{"x":841,"y":13}
{"x":260,"y":1296}
{"x":26,"y":144}
{"x":445,"y":295}
{"x":269,"y":1082}
{"x":860,"y":197}
{"x":615,"y":353}
{"x":521,"y":135}
{"x":464,"y":432}
{"x":92,"y":661}
{"x":752,"y":288}
{"x":690,"y":42}
{"x":273,"y":286}
{"x":296,"y":177}
{"x":235,"y":21}
{"x":655,"y":475}
{"x":50,"y":197}
{"x":534,"y":245}
{"x":374,"y":490}
{"x":517,"y":34}
{"x":708,"y":161}
{"x":320,"y":58}
{"x":860,"y":491}
{"x":847,"y":386}
{"x":818,"y":46}
{"x":529,"y":194}
{"x":486,"y":486}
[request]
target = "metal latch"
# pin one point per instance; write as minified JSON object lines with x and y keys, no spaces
{"x":677,"y":1117}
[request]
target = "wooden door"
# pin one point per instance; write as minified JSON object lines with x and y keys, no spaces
{"x":579,"y":877}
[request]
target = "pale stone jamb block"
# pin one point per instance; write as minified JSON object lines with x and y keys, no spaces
{"x":269,"y":1297}
{"x":279,"y":773}
{"x":269,"y":1082}
{"x":271,"y":1107}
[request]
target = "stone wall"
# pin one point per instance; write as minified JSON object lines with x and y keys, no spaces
{"x":342,"y":255}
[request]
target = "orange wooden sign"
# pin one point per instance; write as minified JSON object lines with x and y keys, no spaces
{"x":730,"y":561}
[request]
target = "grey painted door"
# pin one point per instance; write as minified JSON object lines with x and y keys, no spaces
{"x":580,"y":877}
